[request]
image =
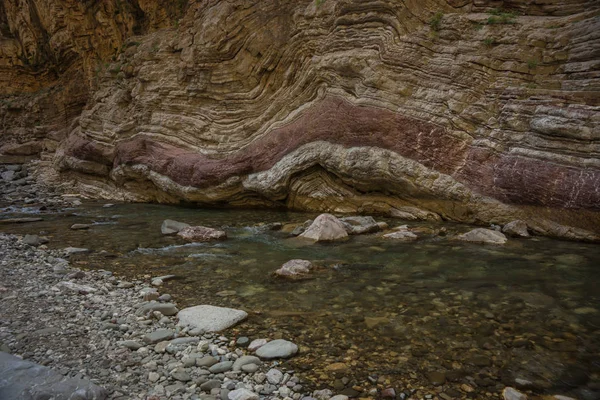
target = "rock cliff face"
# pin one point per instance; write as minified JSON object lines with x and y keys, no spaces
{"x":452,"y":109}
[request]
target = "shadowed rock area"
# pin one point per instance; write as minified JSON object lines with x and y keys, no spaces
{"x":22,"y":379}
{"x":471,"y":111}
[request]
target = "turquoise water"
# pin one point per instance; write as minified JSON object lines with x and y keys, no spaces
{"x":392,"y":312}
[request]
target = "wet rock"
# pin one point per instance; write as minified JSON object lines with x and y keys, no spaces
{"x":158,"y":335}
{"x":201,"y":234}
{"x":20,"y":220}
{"x":245,"y":360}
{"x":242,"y":394}
{"x":574,"y":377}
{"x":359,"y":225}
{"x":325,"y":228}
{"x":274,"y":376}
{"x":77,"y":227}
{"x":24,"y":380}
{"x":167,"y":309}
{"x":250,"y":368}
{"x":180,"y":374}
{"x":75,"y":250}
{"x":170,"y":226}
{"x":294,"y":269}
{"x":513,"y":394}
{"x":516,"y":228}
{"x":340,"y":397}
{"x":372,"y":322}
{"x":404,"y":235}
{"x":436,"y":378}
{"x":210,"y":318}
{"x":74,"y":287}
{"x":256,"y":344}
{"x":34,"y":240}
{"x":242,"y":341}
{"x":534,"y":299}
{"x":223,"y":366}
{"x":278,"y":348}
{"x":324,"y":394}
{"x":159,"y":280}
{"x":8,"y":175}
{"x":207,"y":361}
{"x":209,"y":385}
{"x":297,"y":230}
{"x":130,"y":344}
{"x":480,"y":361}
{"x":482,"y":235}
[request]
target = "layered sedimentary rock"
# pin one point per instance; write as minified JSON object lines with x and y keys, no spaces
{"x":427,"y":110}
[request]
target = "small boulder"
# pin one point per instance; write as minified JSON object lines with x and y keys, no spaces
{"x":294,"y":268}
{"x":78,"y":227}
{"x":513,"y":394}
{"x":278,"y":348}
{"x":482,"y":235}
{"x":34,"y":240}
{"x":516,"y":228}
{"x":210,"y":318}
{"x":201,"y":234}
{"x":325,"y":228}
{"x":170,"y":227}
{"x":359,"y":225}
{"x":403,"y":235}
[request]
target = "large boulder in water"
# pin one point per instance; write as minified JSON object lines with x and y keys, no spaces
{"x":482,"y":235}
{"x":170,"y":226}
{"x":201,"y":234}
{"x":325,"y":228}
{"x":20,"y":379}
{"x":210,"y":318}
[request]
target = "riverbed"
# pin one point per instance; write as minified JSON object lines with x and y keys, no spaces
{"x":437,"y":314}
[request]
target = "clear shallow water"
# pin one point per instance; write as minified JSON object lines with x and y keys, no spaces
{"x":391,"y":311}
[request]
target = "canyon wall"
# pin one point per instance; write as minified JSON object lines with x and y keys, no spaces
{"x":471,"y":111}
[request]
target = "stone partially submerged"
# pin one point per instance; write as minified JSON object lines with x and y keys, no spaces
{"x":482,"y":235}
{"x":403,"y":235}
{"x":516,"y":228}
{"x":201,"y":234}
{"x":210,"y":318}
{"x":294,"y":269}
{"x":278,"y":348}
{"x":170,"y":226}
{"x":358,"y":225}
{"x":325,"y":228}
{"x":20,"y":379}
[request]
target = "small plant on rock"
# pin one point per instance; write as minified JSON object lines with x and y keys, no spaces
{"x":532,"y":64}
{"x":436,"y":21}
{"x":489,"y":41}
{"x":501,"y":17}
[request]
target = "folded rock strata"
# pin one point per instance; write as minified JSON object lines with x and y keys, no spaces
{"x":335,"y":106}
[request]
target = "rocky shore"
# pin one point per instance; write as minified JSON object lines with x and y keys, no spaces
{"x":91,"y":325}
